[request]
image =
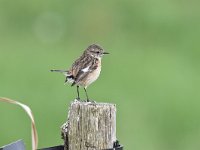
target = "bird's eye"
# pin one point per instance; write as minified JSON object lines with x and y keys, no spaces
{"x":97,"y":52}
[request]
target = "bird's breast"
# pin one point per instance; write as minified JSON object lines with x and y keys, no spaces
{"x":93,"y":76}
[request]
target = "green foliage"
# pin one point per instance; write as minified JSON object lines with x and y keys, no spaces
{"x":152,"y":73}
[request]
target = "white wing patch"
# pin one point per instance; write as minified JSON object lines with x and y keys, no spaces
{"x":86,"y":69}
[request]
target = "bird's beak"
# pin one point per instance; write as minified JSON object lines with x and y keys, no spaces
{"x":106,"y":53}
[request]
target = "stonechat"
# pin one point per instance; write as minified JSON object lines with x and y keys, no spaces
{"x":86,"y":69}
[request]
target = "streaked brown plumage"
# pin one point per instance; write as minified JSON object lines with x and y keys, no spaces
{"x":86,"y":69}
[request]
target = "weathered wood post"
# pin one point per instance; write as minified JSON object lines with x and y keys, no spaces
{"x":90,"y":126}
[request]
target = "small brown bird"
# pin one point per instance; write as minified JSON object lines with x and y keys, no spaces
{"x":85,"y":69}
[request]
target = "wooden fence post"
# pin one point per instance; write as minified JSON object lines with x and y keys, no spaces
{"x":90,"y":126}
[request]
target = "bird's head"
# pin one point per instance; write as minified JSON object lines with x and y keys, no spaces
{"x":95,"y":51}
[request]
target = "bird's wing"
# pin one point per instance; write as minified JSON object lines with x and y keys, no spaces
{"x":84,"y":68}
{"x":80,"y":64}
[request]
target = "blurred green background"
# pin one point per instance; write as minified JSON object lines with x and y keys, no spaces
{"x":152,"y":73}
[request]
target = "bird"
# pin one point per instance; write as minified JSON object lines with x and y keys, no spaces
{"x":86,"y":69}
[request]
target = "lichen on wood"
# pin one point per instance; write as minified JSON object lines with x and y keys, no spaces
{"x":90,"y":126}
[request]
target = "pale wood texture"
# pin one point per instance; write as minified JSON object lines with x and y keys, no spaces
{"x":90,"y":126}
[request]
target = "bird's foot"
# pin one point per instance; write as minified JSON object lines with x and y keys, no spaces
{"x":78,"y":99}
{"x":89,"y":101}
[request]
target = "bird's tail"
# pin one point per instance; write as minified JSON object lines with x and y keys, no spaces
{"x":62,"y":71}
{"x":68,"y":75}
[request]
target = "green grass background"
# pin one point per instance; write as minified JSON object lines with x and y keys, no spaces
{"x":152,"y":73}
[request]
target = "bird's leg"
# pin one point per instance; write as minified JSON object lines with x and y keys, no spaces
{"x":86,"y":94}
{"x":78,"y":98}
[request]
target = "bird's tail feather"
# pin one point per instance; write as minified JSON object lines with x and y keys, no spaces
{"x":69,"y":76}
{"x":58,"y":71}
